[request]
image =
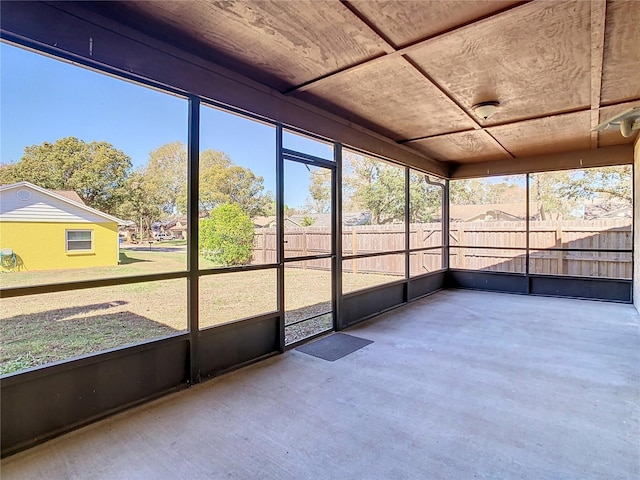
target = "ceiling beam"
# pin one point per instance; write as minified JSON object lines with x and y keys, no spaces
{"x":395,"y":52}
{"x":624,"y":104}
{"x":601,"y":157}
{"x":598,"y":16}
{"x":387,"y":44}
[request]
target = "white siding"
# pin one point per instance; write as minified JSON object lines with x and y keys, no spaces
{"x":42,"y":208}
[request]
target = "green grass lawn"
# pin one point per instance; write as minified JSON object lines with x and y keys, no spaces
{"x":39,"y":329}
{"x":173,"y":242}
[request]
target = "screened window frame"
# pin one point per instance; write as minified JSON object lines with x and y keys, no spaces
{"x":404,"y":224}
{"x":528,"y":249}
{"x":435,"y":181}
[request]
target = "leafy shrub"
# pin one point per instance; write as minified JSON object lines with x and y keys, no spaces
{"x":226,"y":237}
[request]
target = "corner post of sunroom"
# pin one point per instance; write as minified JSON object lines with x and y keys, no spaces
{"x":636,"y":216}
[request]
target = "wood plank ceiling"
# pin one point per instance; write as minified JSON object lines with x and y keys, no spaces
{"x":411,"y":70}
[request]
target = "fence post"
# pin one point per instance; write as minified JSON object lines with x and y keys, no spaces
{"x":562,"y":264}
{"x":422,"y":256}
{"x":354,"y":248}
{"x":462,"y":252}
{"x":304,"y":247}
{"x":264,"y":245}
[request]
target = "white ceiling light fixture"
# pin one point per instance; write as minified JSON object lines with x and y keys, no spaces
{"x":627,"y":121}
{"x":485,"y":110}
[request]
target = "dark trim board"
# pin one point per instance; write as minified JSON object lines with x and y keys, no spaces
{"x":491,"y":281}
{"x":613,"y":290}
{"x":237,"y":344}
{"x":359,"y":306}
{"x":607,"y":289}
{"x":424,"y":285}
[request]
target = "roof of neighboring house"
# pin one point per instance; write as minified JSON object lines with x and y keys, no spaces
{"x":182,"y":226}
{"x":314,"y":219}
{"x":324,"y":219}
{"x":264,"y":221}
{"x":353,"y":219}
{"x":468,"y":212}
{"x":70,"y":194}
{"x":56,"y":196}
{"x":608,"y":210}
{"x":318,"y":219}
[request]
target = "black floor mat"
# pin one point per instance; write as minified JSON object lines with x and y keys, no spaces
{"x":334,"y":346}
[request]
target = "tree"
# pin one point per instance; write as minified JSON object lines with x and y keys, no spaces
{"x":221,"y":181}
{"x":546,"y":193}
{"x":167,"y":167}
{"x":425,"y":199}
{"x":375,"y":186}
{"x":480,"y":191}
{"x":611,"y":183}
{"x":143,"y":201}
{"x":226,"y":237}
{"x":319,"y":190}
{"x":96,"y":171}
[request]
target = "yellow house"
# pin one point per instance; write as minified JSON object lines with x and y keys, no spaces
{"x":43,"y":229}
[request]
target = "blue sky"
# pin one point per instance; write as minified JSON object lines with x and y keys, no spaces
{"x":43,"y":100}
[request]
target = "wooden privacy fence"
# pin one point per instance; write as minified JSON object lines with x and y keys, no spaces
{"x":607,"y":234}
{"x":613,"y":234}
{"x":306,"y":241}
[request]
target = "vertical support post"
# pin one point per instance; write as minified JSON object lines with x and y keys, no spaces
{"x":407,"y":240}
{"x":527,"y":229}
{"x":423,"y":257}
{"x":193,"y":186}
{"x":280,"y":231}
{"x":336,"y":209}
{"x":634,"y":228}
{"x":407,"y":219}
{"x":445,"y":225}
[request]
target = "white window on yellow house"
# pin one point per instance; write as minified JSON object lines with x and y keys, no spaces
{"x":79,"y":240}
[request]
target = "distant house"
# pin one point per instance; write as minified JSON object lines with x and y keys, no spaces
{"x":270,"y":222}
{"x":179,"y":228}
{"x":128,"y":230}
{"x":45,"y":229}
{"x":264,"y":221}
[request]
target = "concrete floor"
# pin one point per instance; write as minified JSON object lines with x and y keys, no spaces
{"x":458,"y":385}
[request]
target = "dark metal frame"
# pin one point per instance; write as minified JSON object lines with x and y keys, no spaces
{"x":193,"y":188}
{"x":609,"y":289}
{"x":445,"y":220}
{"x":295,"y":156}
